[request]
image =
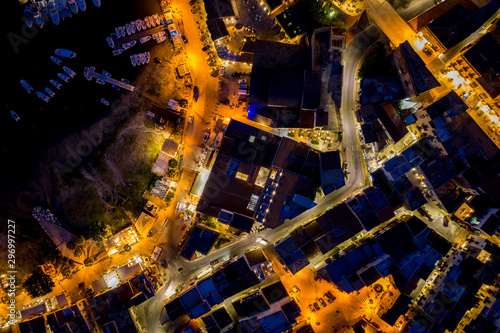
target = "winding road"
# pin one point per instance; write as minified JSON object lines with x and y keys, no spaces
{"x":149,"y":312}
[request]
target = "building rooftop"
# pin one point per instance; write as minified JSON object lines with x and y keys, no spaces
{"x":392,"y":122}
{"x":218,"y":9}
{"x":380,"y":89}
{"x":201,"y":240}
{"x":170,"y":147}
{"x":269,"y":54}
{"x":450,"y":105}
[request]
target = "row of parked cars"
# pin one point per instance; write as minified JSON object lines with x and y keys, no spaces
{"x":329,"y":298}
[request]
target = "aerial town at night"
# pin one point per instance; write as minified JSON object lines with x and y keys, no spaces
{"x":253,"y":166}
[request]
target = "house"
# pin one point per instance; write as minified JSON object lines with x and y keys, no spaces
{"x":170,"y":147}
{"x":332,"y":172}
{"x":200,"y":240}
{"x":218,"y":11}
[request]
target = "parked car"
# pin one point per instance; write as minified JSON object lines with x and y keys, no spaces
{"x":196,"y":93}
{"x":184,"y":226}
{"x":236,"y":74}
{"x":192,"y":2}
{"x":195,"y":9}
{"x":329,"y":297}
{"x":204,"y":48}
{"x":322,"y":302}
{"x":427,"y":51}
{"x":311,"y":307}
{"x":221,"y":73}
{"x":184,"y":39}
{"x":241,"y":81}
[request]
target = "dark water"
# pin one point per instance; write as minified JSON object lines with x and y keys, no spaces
{"x":76,"y":105}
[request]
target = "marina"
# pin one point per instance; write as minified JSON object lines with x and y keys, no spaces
{"x":91,"y":73}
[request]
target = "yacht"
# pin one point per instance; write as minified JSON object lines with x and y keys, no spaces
{"x":82,"y":5}
{"x":110,"y":41}
{"x":27,"y":86}
{"x":144,"y":39}
{"x":63,"y":77}
{"x":161,"y":39}
{"x":73,"y":6}
{"x":28,"y":16}
{"x":56,"y":60}
{"x":129,"y":44}
{"x":133,"y":59}
{"x":128,"y":28}
{"x":138,"y":24}
{"x":56,"y":84}
{"x":50,"y":92}
{"x":15,"y":116}
{"x":117,"y":52}
{"x":54,"y":14}
{"x":104,"y":101}
{"x":133,"y":27}
{"x":65,"y":53}
{"x":97,"y":3}
{"x":42,"y":96}
{"x":69,"y":71}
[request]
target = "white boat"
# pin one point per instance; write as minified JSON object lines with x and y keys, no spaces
{"x":140,"y":58}
{"x":73,"y":6}
{"x":104,"y":101}
{"x":160,"y":39}
{"x":65,"y":53}
{"x":128,"y":28}
{"x":129,"y":44}
{"x":147,"y":57}
{"x":153,"y":22}
{"x":147,"y":19}
{"x":157,"y":19}
{"x":82,"y":5}
{"x":138,"y":24}
{"x":69,"y":71}
{"x":133,"y":59}
{"x":144,"y":39}
{"x":105,"y":73}
{"x":133,"y":27}
{"x":117,"y":52}
{"x":63,"y":77}
{"x":110,"y":41}
{"x":56,"y":84}
{"x":143,"y":25}
{"x":97,"y":3}
{"x":123,"y":31}
{"x":14,"y":115}
{"x":27,"y":86}
{"x":28,"y":15}
{"x":42,"y":96}
{"x":50,"y":92}
{"x":56,"y":60}
{"x":38,"y":16}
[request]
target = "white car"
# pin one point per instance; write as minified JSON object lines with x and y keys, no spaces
{"x":262,"y":241}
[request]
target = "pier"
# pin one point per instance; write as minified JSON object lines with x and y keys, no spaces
{"x":92,"y":73}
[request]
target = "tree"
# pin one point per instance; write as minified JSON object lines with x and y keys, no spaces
{"x":127,"y":247}
{"x":182,"y":113}
{"x":65,"y":272}
{"x":77,"y":252}
{"x":171,"y":173}
{"x":97,"y":231}
{"x":173,"y":163}
{"x":38,"y":284}
{"x":88,"y":261}
{"x":183,"y":103}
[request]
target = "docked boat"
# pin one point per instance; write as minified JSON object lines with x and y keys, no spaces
{"x":148,"y":21}
{"x":106,"y":73}
{"x":125,"y":81}
{"x":15,"y":116}
{"x":104,"y":101}
{"x":117,"y":52}
{"x":153,"y":22}
{"x":97,"y":3}
{"x":128,"y":45}
{"x":38,"y":17}
{"x":56,"y":60}
{"x":69,"y":71}
{"x":86,"y":72}
{"x":63,"y":8}
{"x":42,"y":96}
{"x":110,"y":41}
{"x":138,"y":24}
{"x":144,"y":39}
{"x":133,"y":27}
{"x":28,"y":16}
{"x":100,"y":81}
{"x":122,"y":31}
{"x":143,"y":25}
{"x":133,"y":59}
{"x":73,"y":6}
{"x":27,"y":86}
{"x":65,"y":53}
{"x":81,"y":4}
{"x":160,"y":39}
{"x":54,"y":14}
{"x":50,"y":92}
{"x":128,"y":28}
{"x":56,"y":84}
{"x":63,"y":77}
{"x":118,"y":31}
{"x":147,"y":57}
{"x":157,"y":19}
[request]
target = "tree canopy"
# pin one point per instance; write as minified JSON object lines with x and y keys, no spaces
{"x":38,"y":284}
